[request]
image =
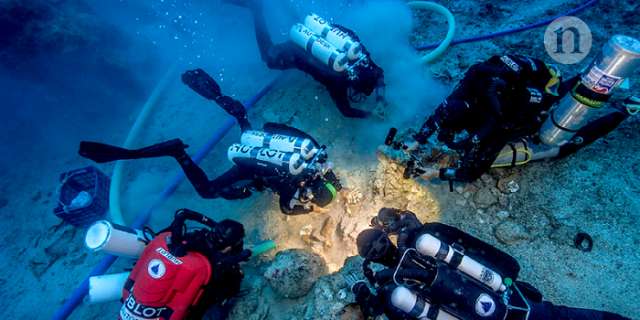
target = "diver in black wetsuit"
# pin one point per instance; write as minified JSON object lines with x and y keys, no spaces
{"x":256,"y":168}
{"x":499,"y":101}
{"x":446,"y":289}
{"x":342,"y":86}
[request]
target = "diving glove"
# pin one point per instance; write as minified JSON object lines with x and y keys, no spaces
{"x":202,"y":83}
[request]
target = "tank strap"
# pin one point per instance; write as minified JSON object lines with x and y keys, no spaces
{"x":433,"y":312}
{"x":514,"y":157}
{"x":456,"y":260}
{"x":442,"y":251}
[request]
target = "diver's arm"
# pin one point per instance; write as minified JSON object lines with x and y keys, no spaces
{"x":474,"y":163}
{"x":341,"y":99}
{"x":290,"y":206}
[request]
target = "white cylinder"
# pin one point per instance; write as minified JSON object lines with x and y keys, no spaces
{"x":334,"y":35}
{"x":318,"y":47}
{"x":266,"y":158}
{"x":280,"y":142}
{"x":433,"y":247}
{"x":114,"y":239}
{"x":106,"y":288}
{"x":407,"y":301}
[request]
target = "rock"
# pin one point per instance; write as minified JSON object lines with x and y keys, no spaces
{"x":305,"y":233}
{"x":487,"y":179}
{"x":484,"y":198}
{"x":502,"y":214}
{"x":293,"y":272}
{"x":251,"y":306}
{"x":331,"y":296}
{"x":508,"y":185}
{"x":459,"y":189}
{"x":328,"y":227}
{"x":461,"y":202}
{"x":509,"y":232}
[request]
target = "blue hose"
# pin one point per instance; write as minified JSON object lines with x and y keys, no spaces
{"x":582,"y":7}
{"x":81,"y":291}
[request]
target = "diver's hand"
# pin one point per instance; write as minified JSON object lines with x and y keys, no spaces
{"x":430,"y":173}
{"x":352,"y":280}
{"x":632,"y":104}
{"x":202,"y":83}
{"x":410,"y":145}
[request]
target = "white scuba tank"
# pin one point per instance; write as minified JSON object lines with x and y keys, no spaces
{"x":407,"y":301}
{"x":114,"y":239}
{"x":261,"y":139}
{"x":271,"y":160}
{"x":334,"y":35}
{"x":433,"y":247}
{"x":106,"y":287}
{"x":318,"y":47}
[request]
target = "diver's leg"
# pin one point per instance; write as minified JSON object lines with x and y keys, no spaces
{"x":280,"y":56}
{"x":222,"y":186}
{"x":204,"y":85}
{"x":100,"y":152}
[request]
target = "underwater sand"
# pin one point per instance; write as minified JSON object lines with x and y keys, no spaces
{"x":596,"y":190}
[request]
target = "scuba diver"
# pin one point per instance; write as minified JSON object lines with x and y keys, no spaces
{"x":439,"y":272}
{"x":332,"y":54}
{"x":497,"y":116}
{"x":185,"y":273}
{"x":281,"y":158}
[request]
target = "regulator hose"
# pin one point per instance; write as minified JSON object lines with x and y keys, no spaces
{"x":585,"y":5}
{"x":442,"y":46}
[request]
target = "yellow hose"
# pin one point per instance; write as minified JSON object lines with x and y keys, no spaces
{"x":115,"y":209}
{"x":428,"y":5}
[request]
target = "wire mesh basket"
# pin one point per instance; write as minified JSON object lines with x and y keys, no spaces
{"x":83,"y":196}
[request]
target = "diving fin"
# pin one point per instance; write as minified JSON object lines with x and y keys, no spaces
{"x":101,"y":153}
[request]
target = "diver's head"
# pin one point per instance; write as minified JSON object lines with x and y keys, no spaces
{"x":228,"y":233}
{"x":366,"y":77}
{"x":375,"y":245}
{"x":323,"y":191}
{"x":386,"y":218}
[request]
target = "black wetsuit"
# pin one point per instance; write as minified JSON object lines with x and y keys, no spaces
{"x":498,"y":101}
{"x":288,"y":55}
{"x":409,"y":229}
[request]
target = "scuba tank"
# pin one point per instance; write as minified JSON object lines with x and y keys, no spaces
{"x":407,"y":301}
{"x":170,"y":276}
{"x":513,"y":154}
{"x":431,"y":246}
{"x":619,"y":58}
{"x":284,"y":143}
{"x":265,"y":161}
{"x":334,"y":35}
{"x":318,"y":47}
{"x":114,"y":239}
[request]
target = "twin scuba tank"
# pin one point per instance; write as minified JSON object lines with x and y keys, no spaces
{"x":480,"y":298}
{"x":271,"y":154}
{"x":327,"y":43}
